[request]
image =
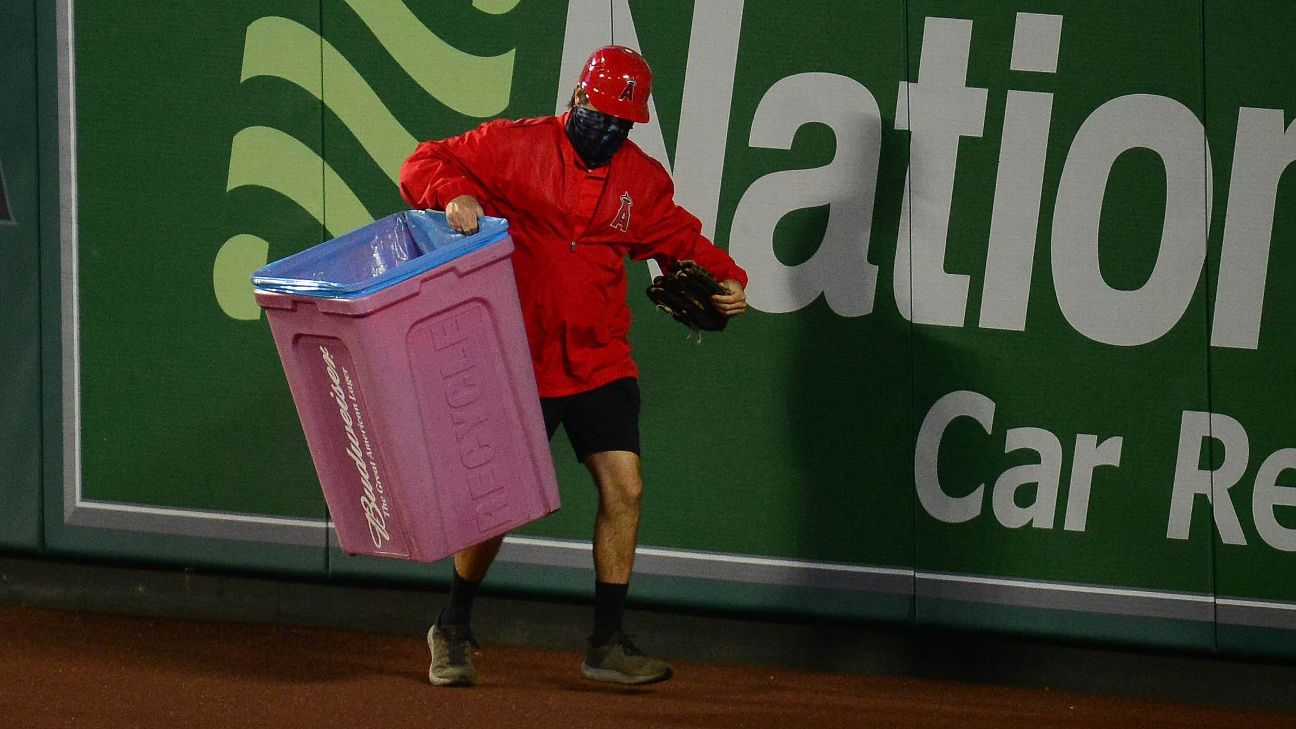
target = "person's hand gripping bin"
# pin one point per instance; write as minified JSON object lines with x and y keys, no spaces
{"x":407,"y":358}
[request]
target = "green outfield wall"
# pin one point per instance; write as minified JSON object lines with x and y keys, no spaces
{"x":1018,"y":353}
{"x":20,"y":353}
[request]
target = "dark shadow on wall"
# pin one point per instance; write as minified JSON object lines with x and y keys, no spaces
{"x":850,"y":413}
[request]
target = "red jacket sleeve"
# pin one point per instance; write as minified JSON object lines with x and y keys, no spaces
{"x":439,"y":171}
{"x":676,"y":235}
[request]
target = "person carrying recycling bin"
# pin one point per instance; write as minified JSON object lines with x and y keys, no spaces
{"x":580,"y":199}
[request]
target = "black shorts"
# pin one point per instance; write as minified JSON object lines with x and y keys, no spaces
{"x":603,"y":419}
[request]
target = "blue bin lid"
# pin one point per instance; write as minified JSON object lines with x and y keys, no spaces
{"x":381,"y":254}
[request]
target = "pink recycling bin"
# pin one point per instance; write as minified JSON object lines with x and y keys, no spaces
{"x":407,"y":359}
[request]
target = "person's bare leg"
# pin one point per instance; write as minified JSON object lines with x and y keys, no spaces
{"x":611,"y":656}
{"x":472,"y":562}
{"x":616,"y":527}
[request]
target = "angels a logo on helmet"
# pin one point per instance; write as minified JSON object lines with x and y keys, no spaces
{"x":627,"y":94}
{"x":622,"y":220}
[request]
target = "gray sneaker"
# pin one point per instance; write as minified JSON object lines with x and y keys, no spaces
{"x":452,"y":656}
{"x":619,"y":661}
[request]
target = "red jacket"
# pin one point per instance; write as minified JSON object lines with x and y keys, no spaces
{"x":572,"y":229}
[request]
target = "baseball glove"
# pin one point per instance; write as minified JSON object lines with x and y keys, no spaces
{"x":685,"y":294}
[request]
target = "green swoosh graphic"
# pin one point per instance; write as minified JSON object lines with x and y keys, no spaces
{"x":495,"y":7}
{"x":269,"y":158}
{"x":265,"y":157}
{"x":471,"y":85}
{"x":231,"y":274}
{"x":286,"y":49}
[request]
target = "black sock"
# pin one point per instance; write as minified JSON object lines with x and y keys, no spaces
{"x":609,"y":608}
{"x":459,"y":610}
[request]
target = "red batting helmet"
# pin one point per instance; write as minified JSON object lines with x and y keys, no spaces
{"x":617,"y":81}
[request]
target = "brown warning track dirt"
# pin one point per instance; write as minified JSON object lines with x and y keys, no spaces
{"x":76,"y":669}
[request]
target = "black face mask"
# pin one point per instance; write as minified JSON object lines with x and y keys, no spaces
{"x":595,"y":135}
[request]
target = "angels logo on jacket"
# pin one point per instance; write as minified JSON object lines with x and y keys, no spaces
{"x":622,"y":220}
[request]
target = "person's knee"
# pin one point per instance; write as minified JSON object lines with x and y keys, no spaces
{"x":623,"y":493}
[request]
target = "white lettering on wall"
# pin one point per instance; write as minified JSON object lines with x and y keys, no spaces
{"x":839,"y":269}
{"x":1263,"y":152}
{"x":1095,"y":309}
{"x":939,"y":110}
